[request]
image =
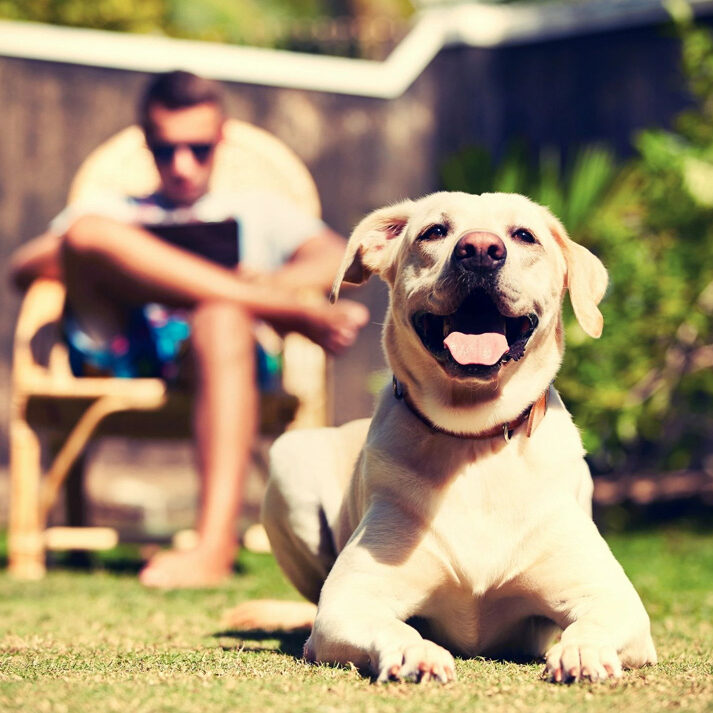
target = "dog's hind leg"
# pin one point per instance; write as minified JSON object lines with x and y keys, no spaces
{"x":309,"y":471}
{"x":300,"y":536}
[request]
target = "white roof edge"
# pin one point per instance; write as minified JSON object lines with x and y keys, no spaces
{"x":469,"y":24}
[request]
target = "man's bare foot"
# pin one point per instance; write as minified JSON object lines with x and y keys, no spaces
{"x":186,"y":569}
{"x":333,"y":327}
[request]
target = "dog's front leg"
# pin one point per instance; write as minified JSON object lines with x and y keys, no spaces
{"x":388,"y":648}
{"x":362,"y":615}
{"x":588,"y":594}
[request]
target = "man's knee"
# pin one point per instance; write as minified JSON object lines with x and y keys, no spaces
{"x":84,"y":236}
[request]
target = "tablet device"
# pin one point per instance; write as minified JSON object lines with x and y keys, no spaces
{"x":217,"y":241}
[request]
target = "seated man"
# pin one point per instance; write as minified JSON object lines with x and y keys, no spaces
{"x":113,"y":268}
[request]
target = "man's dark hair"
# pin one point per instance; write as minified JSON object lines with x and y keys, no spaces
{"x":177,"y":90}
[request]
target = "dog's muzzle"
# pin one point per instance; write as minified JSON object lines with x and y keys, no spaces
{"x":476,"y":339}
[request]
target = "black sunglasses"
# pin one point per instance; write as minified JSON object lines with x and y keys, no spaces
{"x":163,"y":153}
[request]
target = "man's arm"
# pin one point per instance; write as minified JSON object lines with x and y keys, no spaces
{"x":39,"y":257}
{"x":313,"y":265}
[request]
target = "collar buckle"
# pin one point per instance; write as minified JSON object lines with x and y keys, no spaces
{"x":398,"y":391}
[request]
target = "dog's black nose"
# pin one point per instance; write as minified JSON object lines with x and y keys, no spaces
{"x":480,"y":251}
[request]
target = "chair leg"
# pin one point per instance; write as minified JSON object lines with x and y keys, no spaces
{"x":26,"y":548}
{"x":75,"y":504}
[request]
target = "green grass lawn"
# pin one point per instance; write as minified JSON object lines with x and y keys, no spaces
{"x":100,"y":642}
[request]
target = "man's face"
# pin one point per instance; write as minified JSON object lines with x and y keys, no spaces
{"x":183,"y":145}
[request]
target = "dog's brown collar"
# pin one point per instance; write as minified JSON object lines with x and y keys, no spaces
{"x":533,"y":414}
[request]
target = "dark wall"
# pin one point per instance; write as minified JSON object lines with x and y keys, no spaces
{"x":363,"y":152}
{"x":563,"y":93}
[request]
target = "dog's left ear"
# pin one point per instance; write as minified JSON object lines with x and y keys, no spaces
{"x":372,"y":246}
{"x":586,"y":279}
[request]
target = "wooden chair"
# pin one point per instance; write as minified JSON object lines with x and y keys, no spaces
{"x":53,"y":411}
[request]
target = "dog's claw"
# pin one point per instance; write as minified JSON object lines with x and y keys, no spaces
{"x":572,"y":663}
{"x":420,"y":663}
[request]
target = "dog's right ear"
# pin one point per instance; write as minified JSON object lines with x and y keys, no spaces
{"x":372,"y":246}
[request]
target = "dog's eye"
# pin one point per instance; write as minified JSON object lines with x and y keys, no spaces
{"x":434,"y":232}
{"x":524,"y":236}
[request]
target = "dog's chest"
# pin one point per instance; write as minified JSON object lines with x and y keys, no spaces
{"x":483,"y":515}
{"x":483,"y":529}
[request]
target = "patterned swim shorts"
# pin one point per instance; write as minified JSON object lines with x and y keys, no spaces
{"x":154,"y":344}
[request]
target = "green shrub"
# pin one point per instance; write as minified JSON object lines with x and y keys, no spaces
{"x":118,"y":15}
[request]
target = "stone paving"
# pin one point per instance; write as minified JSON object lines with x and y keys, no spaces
{"x":146,"y":490}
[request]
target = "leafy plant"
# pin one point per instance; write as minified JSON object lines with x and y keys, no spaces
{"x":572,"y":193}
{"x":646,"y":404}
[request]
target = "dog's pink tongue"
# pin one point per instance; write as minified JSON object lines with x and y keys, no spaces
{"x":485,"y":349}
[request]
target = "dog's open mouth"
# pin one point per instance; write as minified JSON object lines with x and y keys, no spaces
{"x":476,"y":339}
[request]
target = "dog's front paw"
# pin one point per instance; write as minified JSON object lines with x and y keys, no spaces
{"x":587,"y":662}
{"x":420,"y":662}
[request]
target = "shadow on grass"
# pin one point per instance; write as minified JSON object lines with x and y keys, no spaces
{"x":289,"y":642}
{"x":124,"y":559}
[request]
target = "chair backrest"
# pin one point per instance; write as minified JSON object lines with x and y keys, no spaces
{"x":248,"y":157}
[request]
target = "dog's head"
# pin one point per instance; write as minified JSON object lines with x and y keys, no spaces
{"x":477,"y":283}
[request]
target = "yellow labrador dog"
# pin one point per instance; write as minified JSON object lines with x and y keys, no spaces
{"x":459,"y":519}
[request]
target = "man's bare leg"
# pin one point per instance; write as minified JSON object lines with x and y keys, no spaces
{"x":225,"y":423}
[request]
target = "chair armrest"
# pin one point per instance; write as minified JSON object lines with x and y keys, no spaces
{"x":42,"y":304}
{"x":41,"y":363}
{"x":37,"y":351}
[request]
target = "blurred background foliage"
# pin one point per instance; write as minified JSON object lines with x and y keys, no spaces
{"x":642,"y":394}
{"x":117,"y":15}
{"x":364,"y":28}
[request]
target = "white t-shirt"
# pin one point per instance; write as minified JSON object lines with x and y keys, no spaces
{"x":271,"y":227}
